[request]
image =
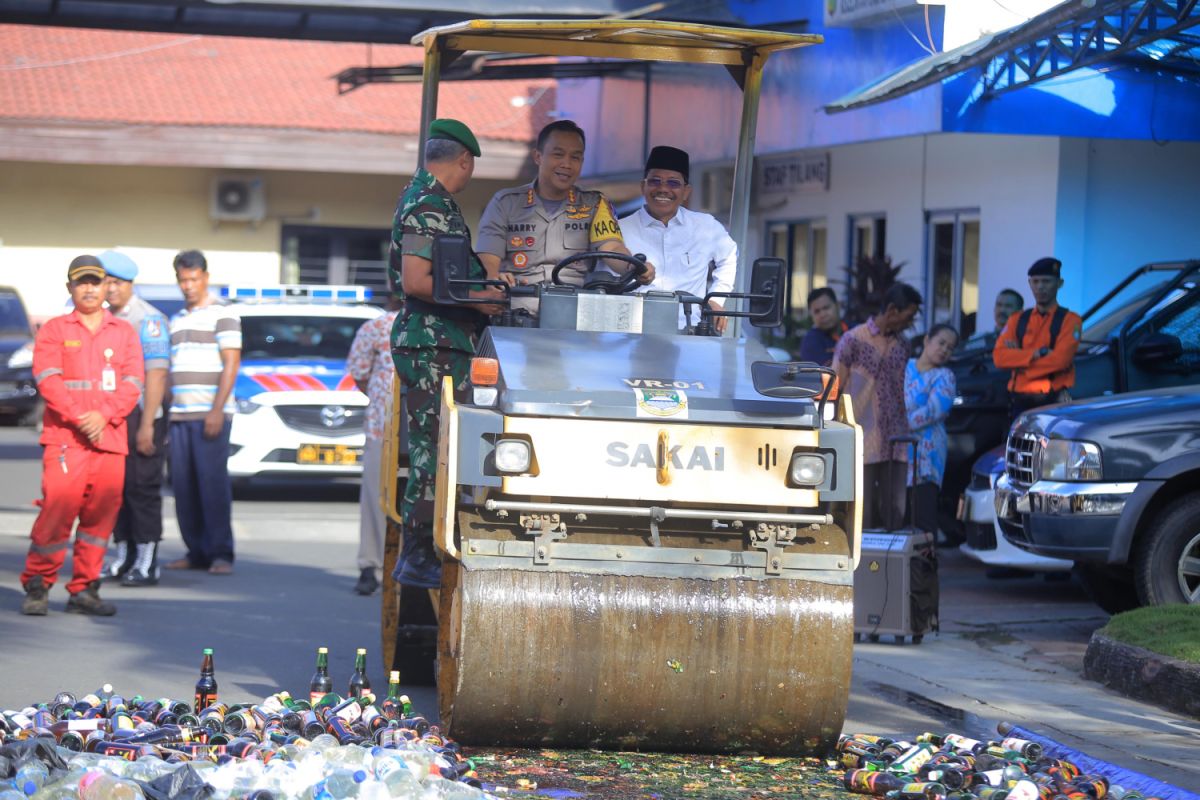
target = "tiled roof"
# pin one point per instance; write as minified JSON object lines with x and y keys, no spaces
{"x":72,"y":74}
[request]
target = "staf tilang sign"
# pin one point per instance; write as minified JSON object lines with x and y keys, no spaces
{"x":852,"y":12}
{"x":802,"y":173}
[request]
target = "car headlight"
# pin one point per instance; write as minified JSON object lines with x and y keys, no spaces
{"x":245,"y":406}
{"x":807,"y":470}
{"x":513,"y":456}
{"x":1069,"y":460}
{"x":21,"y":357}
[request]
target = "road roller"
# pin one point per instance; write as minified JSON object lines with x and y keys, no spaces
{"x":648,"y":534}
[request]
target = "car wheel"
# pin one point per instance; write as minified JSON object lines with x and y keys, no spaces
{"x":1111,"y":588}
{"x":1167,"y":563}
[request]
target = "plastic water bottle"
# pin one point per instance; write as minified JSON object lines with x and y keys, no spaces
{"x":97,"y":785}
{"x":30,"y":777}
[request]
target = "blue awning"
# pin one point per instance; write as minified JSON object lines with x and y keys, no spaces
{"x":1073,"y":34}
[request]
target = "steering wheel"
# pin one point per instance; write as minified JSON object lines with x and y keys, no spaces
{"x":624,"y":283}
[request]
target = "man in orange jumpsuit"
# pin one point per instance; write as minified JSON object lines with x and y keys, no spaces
{"x":89,"y":370}
{"x":1039,"y":344}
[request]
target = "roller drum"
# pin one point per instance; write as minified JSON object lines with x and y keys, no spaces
{"x":567,"y":659}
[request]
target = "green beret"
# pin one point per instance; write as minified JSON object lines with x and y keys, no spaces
{"x":455,"y":131}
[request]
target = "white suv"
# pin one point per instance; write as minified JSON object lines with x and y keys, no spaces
{"x":298,"y":411}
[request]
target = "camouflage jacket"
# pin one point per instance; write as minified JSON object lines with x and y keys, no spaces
{"x":425,"y":210}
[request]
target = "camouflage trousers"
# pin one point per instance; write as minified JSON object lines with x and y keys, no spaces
{"x":421,"y":371}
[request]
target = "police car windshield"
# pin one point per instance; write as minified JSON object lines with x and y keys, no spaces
{"x":297,"y":338}
{"x":13,"y":321}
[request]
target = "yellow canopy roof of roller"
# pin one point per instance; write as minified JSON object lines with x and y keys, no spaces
{"x":643,"y":40}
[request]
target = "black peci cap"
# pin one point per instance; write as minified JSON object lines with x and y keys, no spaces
{"x":1049,"y":267}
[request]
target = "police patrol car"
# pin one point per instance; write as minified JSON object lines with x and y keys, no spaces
{"x":298,"y":411}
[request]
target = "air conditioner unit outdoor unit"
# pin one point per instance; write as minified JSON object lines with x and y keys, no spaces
{"x":717,"y":190}
{"x":236,"y":198}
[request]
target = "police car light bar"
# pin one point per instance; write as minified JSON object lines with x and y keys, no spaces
{"x":294,"y":292}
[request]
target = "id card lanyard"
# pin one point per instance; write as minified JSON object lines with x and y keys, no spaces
{"x":108,"y":376}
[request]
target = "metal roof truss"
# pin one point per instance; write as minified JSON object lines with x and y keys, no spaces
{"x":1110,"y":29}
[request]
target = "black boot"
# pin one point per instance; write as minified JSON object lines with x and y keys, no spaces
{"x":87,"y":601}
{"x":37,"y":598}
{"x":367,"y":582}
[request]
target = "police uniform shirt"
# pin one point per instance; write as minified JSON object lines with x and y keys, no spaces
{"x":530,"y":239}
{"x":691,"y":253}
{"x":153,"y":332}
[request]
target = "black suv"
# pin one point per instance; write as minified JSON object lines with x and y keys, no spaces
{"x":18,"y":393}
{"x":1141,"y":335}
{"x":1113,"y":483}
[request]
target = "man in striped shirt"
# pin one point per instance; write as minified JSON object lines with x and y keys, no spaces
{"x":206,"y":350}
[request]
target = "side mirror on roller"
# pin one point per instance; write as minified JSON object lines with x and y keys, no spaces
{"x":767,"y":279}
{"x":451,"y":267}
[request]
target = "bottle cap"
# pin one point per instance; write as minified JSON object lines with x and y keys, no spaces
{"x":208,"y":651}
{"x":322,"y":649}
{"x":361,"y":651}
{"x":394,"y":676}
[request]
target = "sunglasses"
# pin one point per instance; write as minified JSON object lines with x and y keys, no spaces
{"x":670,"y":183}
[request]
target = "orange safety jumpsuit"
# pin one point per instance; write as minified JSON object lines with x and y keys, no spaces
{"x":79,"y":371}
{"x":1038,"y":378}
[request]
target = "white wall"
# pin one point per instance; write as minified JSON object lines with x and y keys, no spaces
{"x":1010,"y":180}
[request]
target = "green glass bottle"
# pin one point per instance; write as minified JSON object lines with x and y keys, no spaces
{"x":321,"y":683}
{"x":206,"y":687}
{"x":360,"y":684}
{"x":392,"y":707}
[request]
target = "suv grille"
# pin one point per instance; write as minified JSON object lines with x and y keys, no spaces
{"x":1019,"y":458}
{"x":327,"y":420}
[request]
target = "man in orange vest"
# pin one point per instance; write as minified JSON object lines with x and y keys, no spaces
{"x":1039,"y":344}
{"x":89,"y":369}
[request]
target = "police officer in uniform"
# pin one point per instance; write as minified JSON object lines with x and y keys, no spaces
{"x":526,"y":230}
{"x":1039,"y":344}
{"x":430,"y":340}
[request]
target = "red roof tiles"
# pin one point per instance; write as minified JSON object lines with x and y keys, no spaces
{"x":89,"y":75}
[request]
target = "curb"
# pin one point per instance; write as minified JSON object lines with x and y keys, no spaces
{"x":1144,"y":675}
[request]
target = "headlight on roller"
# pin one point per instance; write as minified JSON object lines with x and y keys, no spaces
{"x":807,"y":470}
{"x":513,"y":456}
{"x":1069,"y":460}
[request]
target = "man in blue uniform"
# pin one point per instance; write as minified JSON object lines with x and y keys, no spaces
{"x":139,"y":525}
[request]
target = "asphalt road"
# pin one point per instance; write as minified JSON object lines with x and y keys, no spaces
{"x":1008,"y":650}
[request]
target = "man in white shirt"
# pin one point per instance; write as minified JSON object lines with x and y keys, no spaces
{"x":691,"y":250}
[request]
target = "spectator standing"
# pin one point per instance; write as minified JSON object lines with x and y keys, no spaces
{"x":928,"y":396}
{"x":139,"y":525}
{"x":206,"y":349}
{"x":827,"y":327}
{"x":692,"y":250}
{"x":870,"y":360}
{"x":370,"y":365}
{"x":1039,"y":344}
{"x":1008,"y":302}
{"x":88,"y":367}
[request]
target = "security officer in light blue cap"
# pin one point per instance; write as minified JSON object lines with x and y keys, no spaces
{"x":139,"y":525}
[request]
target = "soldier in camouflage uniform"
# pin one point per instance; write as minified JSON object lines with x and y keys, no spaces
{"x":526,"y":230}
{"x":430,"y":340}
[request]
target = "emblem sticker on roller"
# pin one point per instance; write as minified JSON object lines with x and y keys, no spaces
{"x":659,"y":403}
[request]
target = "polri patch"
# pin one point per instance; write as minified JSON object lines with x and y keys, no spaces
{"x":529,"y":240}
{"x":514,"y":241}
{"x":520,"y":259}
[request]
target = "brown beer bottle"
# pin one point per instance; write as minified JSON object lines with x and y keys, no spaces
{"x":206,"y":687}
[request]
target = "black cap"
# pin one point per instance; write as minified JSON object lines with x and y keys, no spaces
{"x":672,"y":158}
{"x":85,"y":266}
{"x":1046,"y":266}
